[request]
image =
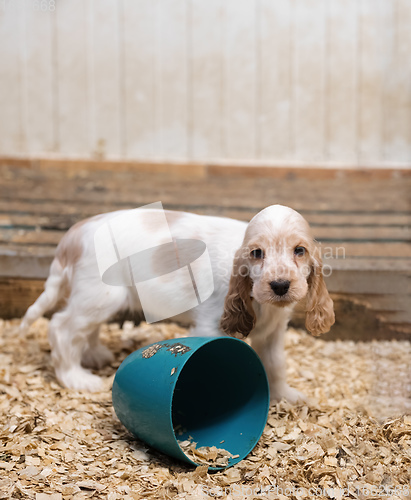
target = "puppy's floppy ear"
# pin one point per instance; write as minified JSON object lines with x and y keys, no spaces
{"x":238,"y":315}
{"x":320,"y":308}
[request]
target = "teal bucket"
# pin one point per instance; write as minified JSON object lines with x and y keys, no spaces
{"x":209,"y":391}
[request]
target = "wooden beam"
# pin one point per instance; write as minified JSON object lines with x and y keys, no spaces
{"x":202,"y":170}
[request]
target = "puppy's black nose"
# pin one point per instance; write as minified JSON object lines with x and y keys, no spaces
{"x":280,"y":287}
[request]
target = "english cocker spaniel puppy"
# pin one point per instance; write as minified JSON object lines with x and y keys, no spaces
{"x":260,"y":271}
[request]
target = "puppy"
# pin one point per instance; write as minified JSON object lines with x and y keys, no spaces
{"x":260,"y":271}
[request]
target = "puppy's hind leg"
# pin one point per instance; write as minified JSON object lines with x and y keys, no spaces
{"x":68,"y":336}
{"x":74,"y":335}
{"x":96,"y":355}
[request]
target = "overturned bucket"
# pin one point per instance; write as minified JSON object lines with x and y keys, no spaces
{"x":185,"y":396}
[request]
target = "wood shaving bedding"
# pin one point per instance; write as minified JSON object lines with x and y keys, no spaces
{"x":206,"y":455}
{"x":353,"y":440}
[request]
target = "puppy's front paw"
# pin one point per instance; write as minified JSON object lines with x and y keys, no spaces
{"x":288,"y":393}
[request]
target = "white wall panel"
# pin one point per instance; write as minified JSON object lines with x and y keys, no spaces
{"x":240,"y":79}
{"x":39,"y":75}
{"x":172,"y":91}
{"x":397,"y":85}
{"x":342,"y":81}
{"x":206,"y":73}
{"x":309,"y":80}
{"x":73,"y":110}
{"x":370,"y":82}
{"x":13,"y":126}
{"x":256,"y":81}
{"x":275,"y":125}
{"x":103,"y":67}
{"x":141,"y":55}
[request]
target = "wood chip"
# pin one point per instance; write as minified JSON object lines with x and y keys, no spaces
{"x":206,"y":455}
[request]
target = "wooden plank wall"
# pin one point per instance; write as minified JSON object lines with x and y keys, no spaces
{"x":360,"y":219}
{"x":260,"y":81}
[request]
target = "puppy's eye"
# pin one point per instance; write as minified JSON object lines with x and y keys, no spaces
{"x":257,"y":253}
{"x":299,"y":251}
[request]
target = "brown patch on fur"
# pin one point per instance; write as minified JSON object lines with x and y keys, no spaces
{"x":173,"y":216}
{"x":70,"y":248}
{"x":238,"y":315}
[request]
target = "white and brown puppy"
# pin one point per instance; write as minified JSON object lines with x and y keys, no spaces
{"x":260,"y":271}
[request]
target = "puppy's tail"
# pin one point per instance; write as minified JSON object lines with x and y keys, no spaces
{"x":53,"y":292}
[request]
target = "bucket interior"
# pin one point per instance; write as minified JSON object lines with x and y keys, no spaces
{"x":221,"y":399}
